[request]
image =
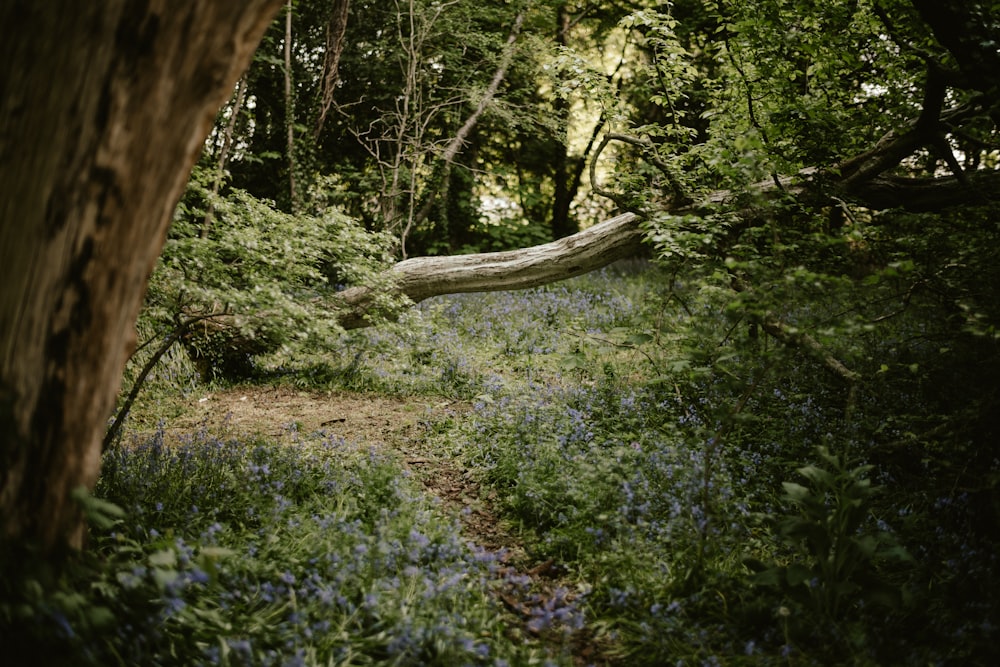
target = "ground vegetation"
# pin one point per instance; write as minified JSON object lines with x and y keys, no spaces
{"x":765,"y":434}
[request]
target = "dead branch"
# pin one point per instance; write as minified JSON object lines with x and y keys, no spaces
{"x":458,"y":141}
{"x":794,"y":338}
{"x":227,"y":142}
{"x":422,"y":277}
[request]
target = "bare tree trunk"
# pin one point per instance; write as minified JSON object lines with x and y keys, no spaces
{"x":562,"y":198}
{"x":290,"y":110}
{"x":104,"y":108}
{"x":458,"y":142}
{"x":227,"y":142}
{"x":455,"y":145}
{"x":335,"y":31}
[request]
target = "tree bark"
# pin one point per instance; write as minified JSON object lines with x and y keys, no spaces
{"x":423,"y":277}
{"x":968,"y":31}
{"x":458,"y":142}
{"x":562,"y":167}
{"x":335,"y":30}
{"x":227,"y":142}
{"x":290,"y":111}
{"x":104,"y":108}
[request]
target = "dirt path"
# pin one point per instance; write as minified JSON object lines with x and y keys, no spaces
{"x":401,"y":427}
{"x":274,"y":411}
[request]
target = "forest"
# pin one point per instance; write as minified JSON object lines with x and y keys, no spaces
{"x":541,"y":332}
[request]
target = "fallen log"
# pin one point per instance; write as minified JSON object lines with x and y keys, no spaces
{"x":423,"y":277}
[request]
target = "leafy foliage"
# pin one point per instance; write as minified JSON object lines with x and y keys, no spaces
{"x":835,"y":555}
{"x":323,"y":552}
{"x":243,"y":279}
{"x":634,"y":435}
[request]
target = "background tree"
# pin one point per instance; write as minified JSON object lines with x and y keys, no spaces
{"x":425,"y":133}
{"x":697,"y":103}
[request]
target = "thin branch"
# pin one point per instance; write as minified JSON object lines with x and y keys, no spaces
{"x":650,"y":153}
{"x":564,"y":30}
{"x":751,"y":112}
{"x":113,"y":431}
{"x":227,"y":142}
{"x":624,"y":346}
{"x":458,"y":141}
{"x":799,"y":339}
{"x":290,"y":109}
{"x":906,"y":298}
{"x":940,"y":144}
{"x":595,"y":184}
{"x":491,"y":90}
{"x":580,"y":163}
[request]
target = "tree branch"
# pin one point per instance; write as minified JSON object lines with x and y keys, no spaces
{"x":858,"y":178}
{"x":969,"y":38}
{"x":227,"y":142}
{"x":595,"y":184}
{"x":423,"y":277}
{"x":802,"y":340}
{"x":458,"y":141}
{"x":923,"y":195}
{"x":168,"y":341}
{"x":491,"y":90}
{"x":290,"y":109}
{"x":798,"y":339}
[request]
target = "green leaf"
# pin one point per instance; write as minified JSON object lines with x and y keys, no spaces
{"x":818,"y":475}
{"x":796,"y":492}
{"x":639,"y":339}
{"x":884,"y":595}
{"x":165,"y":558}
{"x":867,"y":544}
{"x":98,"y":512}
{"x":773,"y":577}
{"x":100,"y":617}
{"x":798,"y":574}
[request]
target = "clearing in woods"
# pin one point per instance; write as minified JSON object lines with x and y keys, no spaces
{"x":401,"y":427}
{"x":396,"y":426}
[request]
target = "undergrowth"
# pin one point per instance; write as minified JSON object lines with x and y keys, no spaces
{"x":242,"y":552}
{"x":706,"y":495}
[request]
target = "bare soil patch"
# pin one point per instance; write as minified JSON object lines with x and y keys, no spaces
{"x":279,"y":411}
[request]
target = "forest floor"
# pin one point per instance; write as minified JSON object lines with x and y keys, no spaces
{"x":396,"y":426}
{"x":402,"y":428}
